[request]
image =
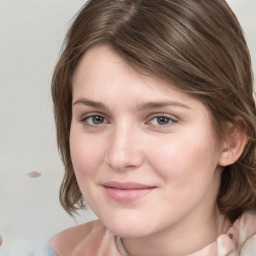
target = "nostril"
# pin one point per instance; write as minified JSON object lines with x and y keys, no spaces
{"x":124,"y":161}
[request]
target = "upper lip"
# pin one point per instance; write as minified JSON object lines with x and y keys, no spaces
{"x":126,"y":185}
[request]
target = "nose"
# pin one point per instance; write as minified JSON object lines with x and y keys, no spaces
{"x":124,"y":149}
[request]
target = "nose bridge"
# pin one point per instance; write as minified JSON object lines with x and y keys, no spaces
{"x":124,"y":151}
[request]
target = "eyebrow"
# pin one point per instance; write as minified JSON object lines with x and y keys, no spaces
{"x":90,"y":103}
{"x":161,"y":104}
{"x":141,"y":107}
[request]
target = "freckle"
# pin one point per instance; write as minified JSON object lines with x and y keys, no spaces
{"x":1,"y":240}
{"x":230,"y":236}
{"x":34,"y":174}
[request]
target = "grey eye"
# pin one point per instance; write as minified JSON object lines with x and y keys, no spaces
{"x":94,"y":120}
{"x":161,"y":120}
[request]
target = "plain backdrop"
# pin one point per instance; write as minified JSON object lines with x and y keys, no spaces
{"x":31,"y":35}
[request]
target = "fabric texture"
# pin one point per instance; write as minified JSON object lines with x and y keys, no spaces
{"x":240,"y":240}
{"x":48,"y":251}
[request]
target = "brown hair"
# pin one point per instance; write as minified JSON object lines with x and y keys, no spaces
{"x":198,"y":44}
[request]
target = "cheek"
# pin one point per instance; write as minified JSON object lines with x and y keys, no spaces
{"x":188,"y":171}
{"x":184,"y":159}
{"x":85,"y":153}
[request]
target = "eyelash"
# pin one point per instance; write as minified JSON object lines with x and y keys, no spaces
{"x":86,"y":119}
{"x":90,"y":120}
{"x":169,"y":119}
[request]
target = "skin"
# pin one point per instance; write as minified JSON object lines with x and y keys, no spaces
{"x":130,"y":127}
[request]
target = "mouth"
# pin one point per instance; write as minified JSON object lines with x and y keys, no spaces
{"x":127,"y":191}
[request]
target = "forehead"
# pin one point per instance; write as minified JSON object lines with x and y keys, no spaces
{"x":101,"y":65}
{"x":102,"y":69}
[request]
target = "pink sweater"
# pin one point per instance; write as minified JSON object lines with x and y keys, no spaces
{"x":240,"y":240}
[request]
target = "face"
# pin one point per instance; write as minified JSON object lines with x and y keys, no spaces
{"x":145,"y":154}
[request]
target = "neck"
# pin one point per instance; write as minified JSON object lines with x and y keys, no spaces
{"x":179,"y":240}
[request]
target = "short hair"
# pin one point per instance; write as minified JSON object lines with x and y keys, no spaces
{"x":199,"y":45}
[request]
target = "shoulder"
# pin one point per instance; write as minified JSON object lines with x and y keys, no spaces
{"x":241,"y":237}
{"x":67,"y":240}
{"x":76,"y":233}
{"x":86,"y":239}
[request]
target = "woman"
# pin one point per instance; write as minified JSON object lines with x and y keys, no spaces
{"x":155,"y":121}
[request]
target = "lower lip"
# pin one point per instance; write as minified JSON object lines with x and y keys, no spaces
{"x":127,"y":195}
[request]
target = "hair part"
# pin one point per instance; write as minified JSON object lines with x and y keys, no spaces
{"x":198,"y":45}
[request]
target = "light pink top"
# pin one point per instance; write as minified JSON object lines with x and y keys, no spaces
{"x":240,"y":240}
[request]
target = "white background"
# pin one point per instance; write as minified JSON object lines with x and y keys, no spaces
{"x":31,"y":35}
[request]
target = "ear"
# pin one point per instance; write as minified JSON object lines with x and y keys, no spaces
{"x":234,"y":143}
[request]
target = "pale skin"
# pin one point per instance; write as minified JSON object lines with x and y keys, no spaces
{"x":132,"y":128}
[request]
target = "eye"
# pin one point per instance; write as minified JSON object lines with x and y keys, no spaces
{"x":162,"y":120}
{"x":94,"y":120}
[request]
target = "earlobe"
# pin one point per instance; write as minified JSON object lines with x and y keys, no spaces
{"x":234,"y":143}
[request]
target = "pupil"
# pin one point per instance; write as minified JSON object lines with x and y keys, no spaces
{"x":97,"y":120}
{"x":163,"y":120}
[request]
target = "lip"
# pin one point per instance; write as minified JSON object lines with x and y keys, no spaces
{"x":125,"y":192}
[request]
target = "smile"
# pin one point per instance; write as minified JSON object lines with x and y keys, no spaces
{"x":126,"y":192}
